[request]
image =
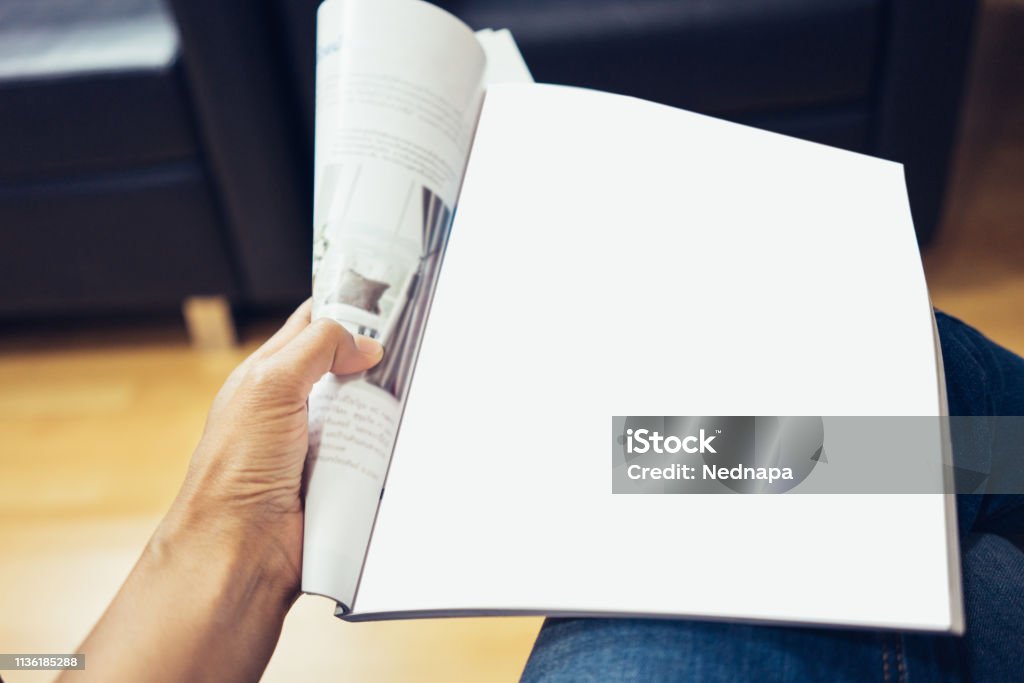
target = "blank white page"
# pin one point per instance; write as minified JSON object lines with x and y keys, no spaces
{"x":616,"y":257}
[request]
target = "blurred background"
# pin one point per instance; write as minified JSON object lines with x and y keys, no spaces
{"x":155,"y":200}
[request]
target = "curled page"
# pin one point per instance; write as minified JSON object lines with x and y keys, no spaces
{"x":399,"y":88}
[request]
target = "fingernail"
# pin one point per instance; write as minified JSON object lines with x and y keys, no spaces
{"x":369,"y":347}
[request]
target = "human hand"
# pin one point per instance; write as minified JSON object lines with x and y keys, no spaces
{"x":207,"y":598}
{"x":243,"y":484}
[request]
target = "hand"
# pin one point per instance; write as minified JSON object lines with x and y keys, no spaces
{"x":208,"y":596}
{"x":244,"y":481}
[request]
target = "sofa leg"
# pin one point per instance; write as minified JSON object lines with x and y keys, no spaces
{"x":209,"y":322}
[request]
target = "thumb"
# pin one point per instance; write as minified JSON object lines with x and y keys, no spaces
{"x":325,"y":346}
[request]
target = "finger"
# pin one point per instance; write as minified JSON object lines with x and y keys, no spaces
{"x":325,"y":346}
{"x":297,"y":321}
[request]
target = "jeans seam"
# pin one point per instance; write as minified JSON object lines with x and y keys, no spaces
{"x":901,"y":665}
{"x":885,"y":659}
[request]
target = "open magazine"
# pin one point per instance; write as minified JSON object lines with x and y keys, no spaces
{"x":546,"y":258}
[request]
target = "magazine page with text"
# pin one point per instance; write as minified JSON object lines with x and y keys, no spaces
{"x":399,"y":86}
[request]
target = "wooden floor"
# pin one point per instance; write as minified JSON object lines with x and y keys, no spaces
{"x":976,"y":268}
{"x":95,"y":439}
{"x":97,"y":423}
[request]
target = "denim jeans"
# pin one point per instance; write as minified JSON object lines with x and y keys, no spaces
{"x":982,"y":379}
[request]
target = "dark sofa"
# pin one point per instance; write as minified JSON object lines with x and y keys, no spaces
{"x":136,"y":187}
{"x":106,"y":202}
